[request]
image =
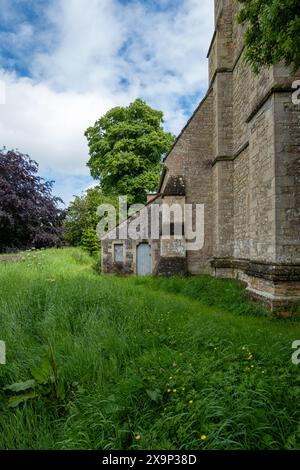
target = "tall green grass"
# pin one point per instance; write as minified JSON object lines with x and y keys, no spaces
{"x":143,"y":363}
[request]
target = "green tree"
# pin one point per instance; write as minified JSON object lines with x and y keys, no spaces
{"x":273,"y":32}
{"x":76,"y":220}
{"x":126,"y":146}
{"x":82,"y":216}
{"x":90,"y":242}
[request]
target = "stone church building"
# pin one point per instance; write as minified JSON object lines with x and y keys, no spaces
{"x":239,"y":157}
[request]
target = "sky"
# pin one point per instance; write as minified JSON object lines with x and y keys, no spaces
{"x":65,"y":63}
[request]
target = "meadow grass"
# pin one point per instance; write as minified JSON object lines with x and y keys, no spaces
{"x":141,"y":363}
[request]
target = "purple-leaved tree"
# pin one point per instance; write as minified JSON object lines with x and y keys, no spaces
{"x":29,"y":214}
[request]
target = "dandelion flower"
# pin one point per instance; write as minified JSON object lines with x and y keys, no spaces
{"x":203,"y":437}
{"x":138,"y":437}
{"x":191,"y":402}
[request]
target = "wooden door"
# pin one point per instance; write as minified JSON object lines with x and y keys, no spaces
{"x":144,"y":260}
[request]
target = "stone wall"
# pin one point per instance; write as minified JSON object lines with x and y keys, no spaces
{"x":128,"y":266}
{"x":255,"y":106}
{"x":109,"y":265}
{"x":241,"y":105}
{"x":287,"y":177}
{"x":241,"y":198}
{"x":256,"y":168}
{"x":173,"y":246}
{"x":262,"y":185}
{"x":223,"y":210}
{"x":192,"y":157}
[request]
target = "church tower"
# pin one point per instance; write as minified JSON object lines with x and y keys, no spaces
{"x":256,"y":168}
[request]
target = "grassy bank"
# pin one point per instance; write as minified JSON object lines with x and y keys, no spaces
{"x":111,"y":363}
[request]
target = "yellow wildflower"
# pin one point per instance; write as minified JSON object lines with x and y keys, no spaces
{"x":203,"y":437}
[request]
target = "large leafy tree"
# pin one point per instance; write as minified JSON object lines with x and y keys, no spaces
{"x":126,"y":146}
{"x":81,"y":218}
{"x":29,"y":214}
{"x":273,"y":32}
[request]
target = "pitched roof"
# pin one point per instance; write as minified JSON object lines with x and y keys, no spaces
{"x":180,"y":134}
{"x":132,"y":216}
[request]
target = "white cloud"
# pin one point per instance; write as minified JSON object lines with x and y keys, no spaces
{"x":49,"y":125}
{"x":88,"y":35}
{"x":82,"y":74}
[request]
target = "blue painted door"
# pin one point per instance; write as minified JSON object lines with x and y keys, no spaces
{"x":144,"y":260}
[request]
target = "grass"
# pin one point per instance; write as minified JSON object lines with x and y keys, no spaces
{"x":131,"y":363}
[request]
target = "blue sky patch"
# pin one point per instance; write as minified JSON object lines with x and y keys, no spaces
{"x":65,"y":63}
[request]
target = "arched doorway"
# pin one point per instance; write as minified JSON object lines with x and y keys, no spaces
{"x":143,"y":259}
